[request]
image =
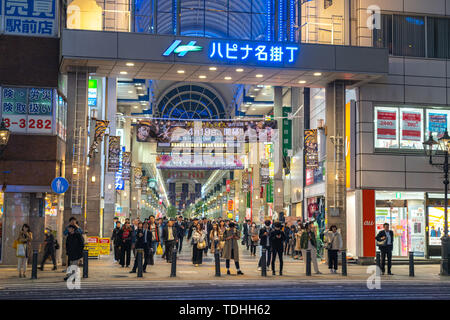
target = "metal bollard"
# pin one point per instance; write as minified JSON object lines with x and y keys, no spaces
{"x":139,"y":254}
{"x":34,"y":265}
{"x":308,"y":262}
{"x":378,"y":259}
{"x":264,"y":262}
{"x":411,"y":263}
{"x":85,"y":263}
{"x":217,"y":259}
{"x":173,"y":271}
{"x":344,"y":263}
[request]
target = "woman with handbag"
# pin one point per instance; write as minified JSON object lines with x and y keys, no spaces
{"x":254,"y":234}
{"x":231,"y":249}
{"x":298,"y":235}
{"x":333,"y":243}
{"x":23,"y":249}
{"x":199,"y":244}
{"x":215,"y":237}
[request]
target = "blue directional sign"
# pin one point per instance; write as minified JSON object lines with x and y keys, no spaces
{"x":60,"y":185}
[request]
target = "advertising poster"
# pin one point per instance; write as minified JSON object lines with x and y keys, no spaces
{"x":137,"y":174}
{"x":126,"y":165}
{"x":104,"y":245}
{"x":92,"y":246}
{"x":436,"y":225}
{"x":437,"y":122}
{"x":264,"y":172}
{"x":311,"y":149}
{"x":411,"y":126}
{"x":386,"y":125}
{"x":113,"y":153}
{"x":245,"y":181}
{"x":144,"y":184}
{"x":100,"y":128}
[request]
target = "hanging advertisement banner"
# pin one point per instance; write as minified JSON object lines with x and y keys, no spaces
{"x":269,"y":192}
{"x":137,"y":174}
{"x":264,"y":171}
{"x":100,"y":128}
{"x":287,"y":131}
{"x":126,"y":165}
{"x":113,"y":153}
{"x":311,"y":149}
{"x":144,"y":184}
{"x":411,"y":126}
{"x":230,"y":205}
{"x":245,"y":181}
{"x":437,"y":122}
{"x":386,"y":125}
{"x":228,"y":186}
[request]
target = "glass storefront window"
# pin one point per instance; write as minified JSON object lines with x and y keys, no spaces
{"x":435,"y":225}
{"x":405,"y":213}
{"x":386,"y":124}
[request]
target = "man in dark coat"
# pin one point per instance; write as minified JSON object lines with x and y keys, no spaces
{"x":277,"y":238}
{"x":49,"y":249}
{"x":264,"y":236}
{"x":170,"y":238}
{"x":181,"y":230}
{"x":143,"y":241}
{"x":385,"y":239}
{"x":74,"y":248}
{"x":116,"y":241}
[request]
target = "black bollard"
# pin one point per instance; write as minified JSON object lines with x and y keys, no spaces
{"x":139,"y":254}
{"x":173,"y":271}
{"x":411,"y":263}
{"x":344,"y":263}
{"x":308,"y":262}
{"x":34,"y":265}
{"x":264,"y":263}
{"x":217,"y":259}
{"x":85,"y":263}
{"x":378,"y":260}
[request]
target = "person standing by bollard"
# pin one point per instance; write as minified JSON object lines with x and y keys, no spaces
{"x":153,"y":228}
{"x":215,"y":237}
{"x":22,"y":244}
{"x":308,"y":242}
{"x":49,"y":249}
{"x":139,"y":243}
{"x":385,"y":241}
{"x":333,"y":244}
{"x":170,"y":238}
{"x":181,"y":229}
{"x":254,"y":238}
{"x":298,"y":235}
{"x":264,"y":236}
{"x":277,"y":240}
{"x":199,"y":245}
{"x":231,"y":250}
{"x":74,"y":249}
{"x":125,"y":235}
{"x":116,"y":241}
{"x":245,"y":231}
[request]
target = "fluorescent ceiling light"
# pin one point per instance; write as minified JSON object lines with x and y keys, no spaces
{"x":259,"y":75}
{"x":317,"y":74}
{"x":302,"y":81}
{"x":227,"y":78}
{"x":180,"y":71}
{"x":212,"y":68}
{"x":239,"y":70}
{"x":123,"y":72}
{"x":202,"y":77}
{"x":130,"y":91}
{"x":130,"y":64}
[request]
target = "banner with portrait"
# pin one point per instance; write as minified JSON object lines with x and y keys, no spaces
{"x":144,"y":184}
{"x":113,"y":153}
{"x":137,"y":175}
{"x":100,"y":128}
{"x":126,"y":165}
{"x":311,"y":149}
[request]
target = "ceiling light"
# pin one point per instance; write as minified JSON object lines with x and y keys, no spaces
{"x":264,"y":94}
{"x":257,"y":89}
{"x":135,"y":107}
{"x":259,"y":75}
{"x":239,"y":70}
{"x":123,"y":72}
{"x":130,"y":91}
{"x":260,"y":86}
{"x":212,"y":68}
{"x":227,"y":78}
{"x":253,"y":109}
{"x":130,"y":64}
{"x":302,"y":81}
{"x":317,"y":74}
{"x":180,"y":71}
{"x":202,"y":77}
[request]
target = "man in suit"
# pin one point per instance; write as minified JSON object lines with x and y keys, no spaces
{"x":181,"y":230}
{"x":170,"y":238}
{"x":245,"y":228}
{"x":385,"y":240}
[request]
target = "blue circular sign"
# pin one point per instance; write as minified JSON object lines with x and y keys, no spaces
{"x":60,"y":185}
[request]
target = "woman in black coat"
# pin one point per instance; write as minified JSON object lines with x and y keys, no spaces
{"x":74,"y":249}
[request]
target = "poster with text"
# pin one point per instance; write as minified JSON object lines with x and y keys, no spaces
{"x":411,"y":125}
{"x":113,"y":153}
{"x":386,"y":125}
{"x":437,"y":122}
{"x":311,"y":152}
{"x":126,"y":165}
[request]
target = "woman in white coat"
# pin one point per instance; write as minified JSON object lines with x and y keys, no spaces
{"x":333,"y":243}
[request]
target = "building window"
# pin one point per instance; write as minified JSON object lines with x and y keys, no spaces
{"x":438,"y":38}
{"x":409,"y":36}
{"x":382,"y":38}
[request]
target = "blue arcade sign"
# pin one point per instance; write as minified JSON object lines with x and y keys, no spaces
{"x":60,"y":185}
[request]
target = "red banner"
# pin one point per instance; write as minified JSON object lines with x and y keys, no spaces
{"x":386,"y":125}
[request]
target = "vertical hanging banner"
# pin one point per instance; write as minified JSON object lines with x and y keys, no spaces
{"x":113,"y":153}
{"x":144,"y":184}
{"x":126,"y":165}
{"x":311,"y":149}
{"x":411,"y":126}
{"x":137,"y":174}
{"x":287,"y":131}
{"x":228,"y":186}
{"x":100,"y":128}
{"x":31,"y":17}
{"x":387,"y":125}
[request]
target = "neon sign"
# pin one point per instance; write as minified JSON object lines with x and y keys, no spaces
{"x":255,"y":52}
{"x":183,"y":49}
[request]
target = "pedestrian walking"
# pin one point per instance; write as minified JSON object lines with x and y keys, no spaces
{"x":385,"y":242}
{"x":143,"y":241}
{"x":216,"y":236}
{"x":277,"y":240}
{"x":153,"y":228}
{"x":298,"y":235}
{"x":49,"y":248}
{"x":254,"y":238}
{"x":199,"y":245}
{"x":291,"y":240}
{"x":333,"y":244}
{"x":245,"y":231}
{"x":181,"y":230}
{"x":308,"y":242}
{"x":264,"y":236}
{"x":23,"y":249}
{"x":125,"y":235}
{"x":170,"y":239}
{"x":74,"y":249}
{"x":286,"y":230}
{"x":231,"y":249}
{"x":116,"y":241}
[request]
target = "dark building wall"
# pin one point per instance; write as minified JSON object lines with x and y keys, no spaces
{"x":29,"y":61}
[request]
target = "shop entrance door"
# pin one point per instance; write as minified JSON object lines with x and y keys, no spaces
{"x":397,"y":217}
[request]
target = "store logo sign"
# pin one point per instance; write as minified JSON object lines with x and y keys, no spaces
{"x":181,"y":50}
{"x":368,"y":223}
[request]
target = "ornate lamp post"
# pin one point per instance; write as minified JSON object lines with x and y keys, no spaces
{"x":431,"y":147}
{"x":4,"y":137}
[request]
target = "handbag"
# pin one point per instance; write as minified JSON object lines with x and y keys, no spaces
{"x":159,"y":250}
{"x":201,"y":245}
{"x":382,"y":242}
{"x":56,"y":245}
{"x":20,"y":252}
{"x":15,"y":243}
{"x":255,"y":238}
{"x":330,"y":244}
{"x":222,"y":244}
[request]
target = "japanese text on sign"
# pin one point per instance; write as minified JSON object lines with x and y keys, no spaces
{"x":261,"y":53}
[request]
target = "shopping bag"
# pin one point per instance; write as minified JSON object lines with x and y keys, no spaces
{"x":159,"y":250}
{"x":15,"y":244}
{"x":20,"y":252}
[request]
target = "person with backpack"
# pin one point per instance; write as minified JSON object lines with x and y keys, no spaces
{"x":333,"y":243}
{"x":49,"y":249}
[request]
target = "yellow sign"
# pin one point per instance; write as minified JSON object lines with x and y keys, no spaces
{"x":104,"y":246}
{"x":97,"y":246}
{"x":230,"y":216}
{"x":230,"y":205}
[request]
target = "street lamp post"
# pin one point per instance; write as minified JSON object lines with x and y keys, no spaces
{"x":430,"y":147}
{"x":4,"y":137}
